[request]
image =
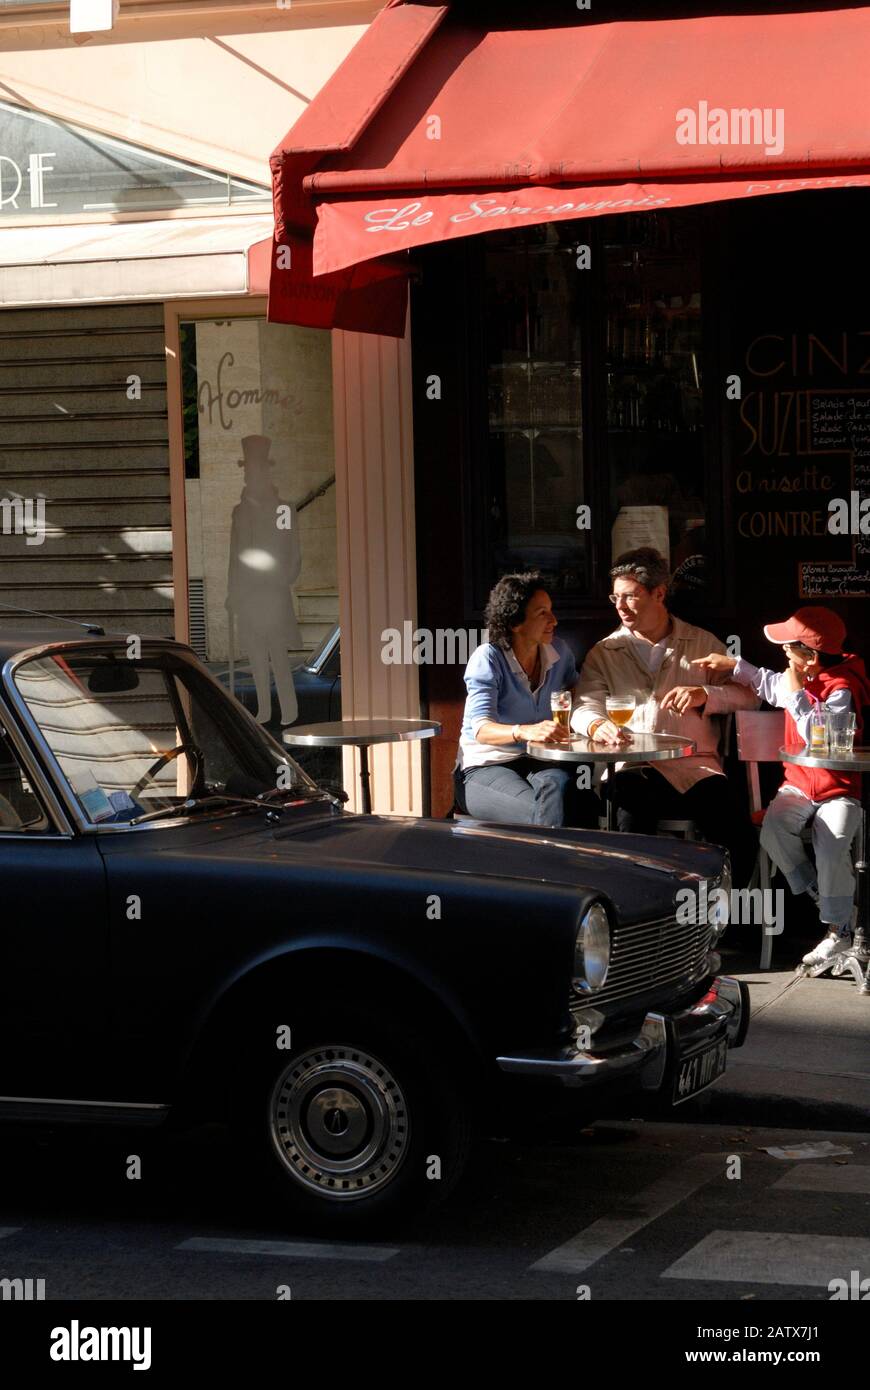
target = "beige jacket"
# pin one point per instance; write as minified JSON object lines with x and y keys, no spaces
{"x":615,"y":666}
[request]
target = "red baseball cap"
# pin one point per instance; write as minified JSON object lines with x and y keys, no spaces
{"x":818,"y":628}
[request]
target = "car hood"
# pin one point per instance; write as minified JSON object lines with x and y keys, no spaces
{"x":639,"y":873}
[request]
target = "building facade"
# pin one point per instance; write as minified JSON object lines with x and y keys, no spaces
{"x":136,"y":355}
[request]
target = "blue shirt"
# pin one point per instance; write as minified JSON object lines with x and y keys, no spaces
{"x":499,"y":689}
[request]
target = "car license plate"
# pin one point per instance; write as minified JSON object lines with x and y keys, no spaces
{"x":699,"y":1071}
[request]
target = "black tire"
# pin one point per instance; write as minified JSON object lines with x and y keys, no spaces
{"x":346,"y":1125}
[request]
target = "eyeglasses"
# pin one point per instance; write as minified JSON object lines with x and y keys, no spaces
{"x":632,"y":599}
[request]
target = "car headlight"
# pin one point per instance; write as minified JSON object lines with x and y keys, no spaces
{"x":592,"y":950}
{"x":719,"y":911}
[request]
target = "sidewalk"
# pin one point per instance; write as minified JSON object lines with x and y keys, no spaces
{"x":806,"y":1059}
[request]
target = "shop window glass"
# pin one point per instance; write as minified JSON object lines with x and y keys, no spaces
{"x":535,"y":477}
{"x":595,"y":398}
{"x":51,"y":168}
{"x":654,"y":426}
{"x":260,"y":495}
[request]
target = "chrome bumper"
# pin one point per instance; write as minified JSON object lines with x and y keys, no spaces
{"x":724,"y":1009}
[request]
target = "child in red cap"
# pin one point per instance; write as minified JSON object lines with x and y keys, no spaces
{"x":828,"y":801}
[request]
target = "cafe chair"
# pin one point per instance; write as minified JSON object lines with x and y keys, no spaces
{"x":687,"y":828}
{"x":760,"y":735}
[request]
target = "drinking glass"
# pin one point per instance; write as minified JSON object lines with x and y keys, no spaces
{"x":620,"y":708}
{"x":560,"y":707}
{"x":841,"y":732}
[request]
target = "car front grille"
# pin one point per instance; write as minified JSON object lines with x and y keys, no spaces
{"x":647,"y":955}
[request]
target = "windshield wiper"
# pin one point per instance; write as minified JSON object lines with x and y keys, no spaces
{"x":195,"y":803}
{"x":297,"y":794}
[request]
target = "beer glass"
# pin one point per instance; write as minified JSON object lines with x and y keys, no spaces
{"x":560,"y":708}
{"x":620,"y":708}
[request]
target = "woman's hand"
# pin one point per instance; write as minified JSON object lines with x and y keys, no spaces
{"x":611,"y":734}
{"x":716,"y":661}
{"x":547,"y":731}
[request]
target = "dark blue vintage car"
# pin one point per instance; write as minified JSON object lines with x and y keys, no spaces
{"x":193,"y":928}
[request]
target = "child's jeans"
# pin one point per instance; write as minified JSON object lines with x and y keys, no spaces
{"x":834,"y":826}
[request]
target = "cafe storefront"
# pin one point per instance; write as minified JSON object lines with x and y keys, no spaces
{"x":622,"y":330}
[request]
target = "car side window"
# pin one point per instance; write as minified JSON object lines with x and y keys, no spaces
{"x":20,"y":808}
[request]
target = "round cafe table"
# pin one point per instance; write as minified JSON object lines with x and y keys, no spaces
{"x":361,"y":734}
{"x":644,"y":748}
{"x":857,"y":962}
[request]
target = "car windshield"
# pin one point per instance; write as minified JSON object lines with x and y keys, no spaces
{"x":134,"y":736}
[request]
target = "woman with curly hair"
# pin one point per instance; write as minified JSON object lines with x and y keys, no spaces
{"x":510,"y":680}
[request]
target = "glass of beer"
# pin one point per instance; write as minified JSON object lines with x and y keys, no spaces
{"x":560,"y":708}
{"x":620,"y":708}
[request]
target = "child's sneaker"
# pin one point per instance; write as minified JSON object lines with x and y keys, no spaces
{"x":821,"y":957}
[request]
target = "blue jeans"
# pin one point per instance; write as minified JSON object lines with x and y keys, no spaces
{"x":522,"y":792}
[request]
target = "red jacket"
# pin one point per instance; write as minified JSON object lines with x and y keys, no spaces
{"x":818,"y":783}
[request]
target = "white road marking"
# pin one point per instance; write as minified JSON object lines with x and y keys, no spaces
{"x":289,"y":1249}
{"x":9,"y":1230}
{"x":771,"y":1257}
{"x":826,"y":1177}
{"x":603,"y":1236}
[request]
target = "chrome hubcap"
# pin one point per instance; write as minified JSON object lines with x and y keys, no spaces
{"x":339,"y":1122}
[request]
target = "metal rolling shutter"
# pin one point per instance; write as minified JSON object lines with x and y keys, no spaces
{"x":69,"y":432}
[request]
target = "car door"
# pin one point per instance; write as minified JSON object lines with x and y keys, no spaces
{"x":53,"y":940}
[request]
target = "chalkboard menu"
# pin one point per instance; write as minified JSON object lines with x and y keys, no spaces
{"x":840,"y":423}
{"x":803,"y":446}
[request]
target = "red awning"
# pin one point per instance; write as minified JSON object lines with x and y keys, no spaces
{"x":435,"y":128}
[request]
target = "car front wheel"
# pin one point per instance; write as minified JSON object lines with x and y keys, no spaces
{"x":357,"y":1125}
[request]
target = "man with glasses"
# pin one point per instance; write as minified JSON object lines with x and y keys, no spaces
{"x":649,"y":657}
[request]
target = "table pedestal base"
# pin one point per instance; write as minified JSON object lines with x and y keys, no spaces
{"x":365,"y":784}
{"x":852,"y":964}
{"x":859,"y":957}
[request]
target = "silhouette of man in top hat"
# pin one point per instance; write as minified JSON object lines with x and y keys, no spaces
{"x":265,"y":560}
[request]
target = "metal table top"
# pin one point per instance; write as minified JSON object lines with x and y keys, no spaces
{"x":644,"y":748}
{"x":359,"y":733}
{"x":856,"y":761}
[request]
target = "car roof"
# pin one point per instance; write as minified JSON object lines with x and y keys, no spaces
{"x":21,"y":639}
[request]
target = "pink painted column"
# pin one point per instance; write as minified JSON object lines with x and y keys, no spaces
{"x":377,"y":587}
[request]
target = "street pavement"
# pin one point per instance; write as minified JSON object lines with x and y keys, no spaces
{"x":806,"y":1059}
{"x":615,"y":1210}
